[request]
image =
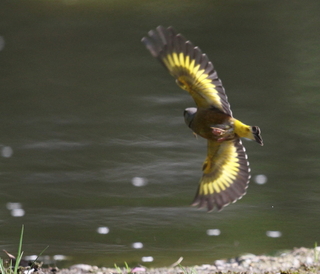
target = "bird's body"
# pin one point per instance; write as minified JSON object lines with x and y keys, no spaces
{"x":204,"y":119}
{"x":226,"y":171}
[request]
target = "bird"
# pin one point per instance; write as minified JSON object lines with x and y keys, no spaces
{"x":226,"y":171}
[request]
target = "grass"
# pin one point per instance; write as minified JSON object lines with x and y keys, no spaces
{"x":119,"y":270}
{"x":15,"y":269}
{"x":187,"y":270}
{"x":9,"y":270}
{"x":316,"y":253}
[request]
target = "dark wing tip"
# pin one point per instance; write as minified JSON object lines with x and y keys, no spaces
{"x":158,"y":39}
{"x":149,"y":45}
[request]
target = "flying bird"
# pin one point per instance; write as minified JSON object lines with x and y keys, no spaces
{"x":226,"y":171}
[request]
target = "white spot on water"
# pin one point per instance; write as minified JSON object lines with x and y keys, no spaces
{"x":11,"y":206}
{"x":30,"y":257}
{"x":6,"y":152}
{"x":18,"y":212}
{"x":137,"y":245}
{"x":261,"y":179}
{"x":59,"y":257}
{"x":103,"y":230}
{"x":274,"y":234}
{"x":213,"y":232}
{"x":15,"y":209}
{"x":147,"y":259}
{"x":138,"y":181}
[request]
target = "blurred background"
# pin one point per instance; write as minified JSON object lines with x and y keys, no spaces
{"x":95,"y":158}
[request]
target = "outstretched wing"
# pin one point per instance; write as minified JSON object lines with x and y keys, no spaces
{"x":226,"y":175}
{"x":192,"y":69}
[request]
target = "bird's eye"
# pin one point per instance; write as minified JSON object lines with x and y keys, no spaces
{"x":255,"y":129}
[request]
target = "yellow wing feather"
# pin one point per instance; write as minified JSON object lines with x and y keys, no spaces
{"x":192,"y":69}
{"x":226,"y":175}
{"x":193,"y":79}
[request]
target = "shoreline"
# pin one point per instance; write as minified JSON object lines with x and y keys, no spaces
{"x":299,"y":260}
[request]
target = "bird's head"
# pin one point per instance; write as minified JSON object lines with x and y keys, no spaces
{"x":188,"y":115}
{"x":256,"y":132}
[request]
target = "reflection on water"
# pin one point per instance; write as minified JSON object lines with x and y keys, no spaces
{"x":137,"y":245}
{"x":96,"y":160}
{"x":213,"y":232}
{"x":260,"y":179}
{"x":15,"y":209}
{"x":274,"y":234}
{"x":147,"y":259}
{"x":6,"y":152}
{"x":103,"y":230}
{"x":138,"y":181}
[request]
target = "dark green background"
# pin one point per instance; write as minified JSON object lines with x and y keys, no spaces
{"x":85,"y":108}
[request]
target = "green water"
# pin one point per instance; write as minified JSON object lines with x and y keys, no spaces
{"x":85,"y":109}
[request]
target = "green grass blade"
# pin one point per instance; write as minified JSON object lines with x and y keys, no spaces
{"x":315,"y":251}
{"x":127,"y":267}
{"x":38,"y":256}
{"x":118,"y":269}
{"x":2,"y":269}
{"x":19,"y":256}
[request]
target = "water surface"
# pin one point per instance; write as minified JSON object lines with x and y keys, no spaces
{"x":96,"y":159}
